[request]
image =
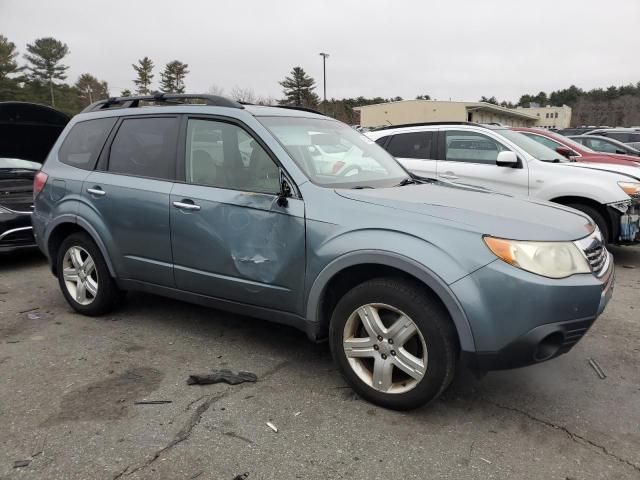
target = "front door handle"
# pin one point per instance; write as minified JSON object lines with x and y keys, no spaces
{"x":449,"y":176}
{"x":96,"y":191}
{"x":187,"y":205}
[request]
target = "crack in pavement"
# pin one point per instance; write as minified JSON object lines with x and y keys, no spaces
{"x":181,"y":436}
{"x":194,"y":419}
{"x":573,"y":436}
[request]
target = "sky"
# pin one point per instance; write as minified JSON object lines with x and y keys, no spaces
{"x":452,"y":49}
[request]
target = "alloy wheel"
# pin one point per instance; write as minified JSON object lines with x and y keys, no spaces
{"x":80,"y":275}
{"x":385,"y":348}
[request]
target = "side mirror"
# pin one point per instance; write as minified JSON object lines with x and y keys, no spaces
{"x":566,"y":152}
{"x":507,"y":159}
{"x":620,"y":151}
{"x":285,"y":191}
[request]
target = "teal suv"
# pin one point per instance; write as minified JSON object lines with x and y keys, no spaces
{"x":290,"y":216}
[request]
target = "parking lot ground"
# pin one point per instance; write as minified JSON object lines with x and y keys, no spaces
{"x":68,"y":384}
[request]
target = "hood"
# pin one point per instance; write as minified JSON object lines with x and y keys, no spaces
{"x":29,"y":130}
{"x":624,"y":172}
{"x":487,"y":213}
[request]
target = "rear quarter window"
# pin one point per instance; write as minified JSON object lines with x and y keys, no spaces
{"x":145,"y":147}
{"x":84,"y":142}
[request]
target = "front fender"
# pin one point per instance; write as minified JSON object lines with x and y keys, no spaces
{"x":400,"y":262}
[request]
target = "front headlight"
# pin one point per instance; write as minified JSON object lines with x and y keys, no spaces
{"x":549,"y":259}
{"x":630,"y":188}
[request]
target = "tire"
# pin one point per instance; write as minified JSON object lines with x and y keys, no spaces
{"x":434,"y":343}
{"x":597,"y":217}
{"x":101,"y":293}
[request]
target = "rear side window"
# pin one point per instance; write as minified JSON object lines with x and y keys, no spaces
{"x":411,"y":145}
{"x":381,"y":141}
{"x":83,"y":143}
{"x":145,"y":147}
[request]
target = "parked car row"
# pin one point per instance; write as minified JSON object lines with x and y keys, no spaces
{"x":527,"y":162}
{"x":409,"y":268}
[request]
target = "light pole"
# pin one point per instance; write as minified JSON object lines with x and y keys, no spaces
{"x":324,"y":78}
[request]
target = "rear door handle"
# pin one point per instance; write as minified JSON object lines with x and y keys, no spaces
{"x":449,"y":176}
{"x":96,"y":191}
{"x":187,"y":205}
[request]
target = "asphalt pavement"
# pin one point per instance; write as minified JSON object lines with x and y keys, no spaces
{"x":69,"y":386}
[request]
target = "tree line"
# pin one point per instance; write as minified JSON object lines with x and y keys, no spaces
{"x":40,"y":79}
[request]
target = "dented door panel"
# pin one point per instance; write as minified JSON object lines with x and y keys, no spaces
{"x":239,"y":246}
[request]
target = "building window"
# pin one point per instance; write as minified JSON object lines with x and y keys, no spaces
{"x":556,"y":115}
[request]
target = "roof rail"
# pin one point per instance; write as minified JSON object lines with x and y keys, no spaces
{"x":160,"y":98}
{"x":424,"y":124}
{"x":297,"y":107}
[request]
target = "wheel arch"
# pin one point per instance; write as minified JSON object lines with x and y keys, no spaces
{"x":356,"y":267}
{"x":67,"y":226}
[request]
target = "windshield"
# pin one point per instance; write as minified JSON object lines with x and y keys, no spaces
{"x":333,"y":154}
{"x":533,"y":148}
{"x":571,"y":143}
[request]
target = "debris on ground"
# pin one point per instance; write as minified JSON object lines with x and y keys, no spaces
{"x":21,"y":463}
{"x":242,"y":476}
{"x":152,"y":402}
{"x":296,"y":414}
{"x":485,"y":460}
{"x":628,"y":266}
{"x":272,"y":427}
{"x":222,"y":376}
{"x":36,"y":315}
{"x":597,"y":369}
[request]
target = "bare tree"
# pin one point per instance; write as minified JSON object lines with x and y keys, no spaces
{"x":266,"y":100}
{"x":245,"y":95}
{"x":216,"y":90}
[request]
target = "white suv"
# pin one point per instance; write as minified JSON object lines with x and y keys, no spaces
{"x":503,"y":160}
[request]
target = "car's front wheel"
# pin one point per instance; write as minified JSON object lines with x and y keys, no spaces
{"x":394,"y":342}
{"x":84,"y":276}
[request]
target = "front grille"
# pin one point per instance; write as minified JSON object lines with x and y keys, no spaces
{"x":595,"y":252}
{"x":597,"y":257}
{"x":16,"y":194}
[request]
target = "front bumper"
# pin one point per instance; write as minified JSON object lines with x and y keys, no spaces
{"x":16,"y":232}
{"x":523,"y":319}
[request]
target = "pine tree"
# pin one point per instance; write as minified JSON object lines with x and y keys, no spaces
{"x":125,"y":93}
{"x":45,"y":55}
{"x":144,"y":70}
{"x":8,"y":54}
{"x":299,"y":89}
{"x":172,"y":79}
{"x":91,"y":89}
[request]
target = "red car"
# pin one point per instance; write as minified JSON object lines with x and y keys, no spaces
{"x":574,"y":150}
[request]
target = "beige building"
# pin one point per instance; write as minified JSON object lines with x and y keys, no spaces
{"x":550,"y":117}
{"x":415,"y":111}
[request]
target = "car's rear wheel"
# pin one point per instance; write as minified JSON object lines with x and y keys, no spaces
{"x":394,"y":342}
{"x":84,"y":277}
{"x":597,"y":218}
